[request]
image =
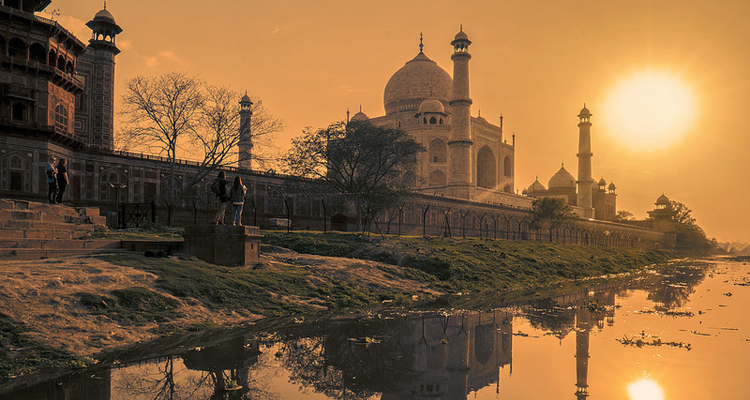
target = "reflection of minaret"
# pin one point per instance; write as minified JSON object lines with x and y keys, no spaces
{"x":583,"y":329}
{"x":460,"y":142}
{"x":245,"y":143}
{"x":585,"y":182}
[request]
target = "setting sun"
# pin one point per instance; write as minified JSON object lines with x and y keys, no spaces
{"x":645,"y":389}
{"x":649,"y":110}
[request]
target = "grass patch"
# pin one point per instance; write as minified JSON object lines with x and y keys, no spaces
{"x":474,"y":264}
{"x":132,"y":306}
{"x":259,"y":291}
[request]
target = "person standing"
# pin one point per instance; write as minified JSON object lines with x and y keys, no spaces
{"x":237,"y":196}
{"x":62,"y":179}
{"x":51,"y":173}
{"x":219,"y":187}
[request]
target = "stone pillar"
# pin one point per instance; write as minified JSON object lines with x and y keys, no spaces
{"x":224,"y":244}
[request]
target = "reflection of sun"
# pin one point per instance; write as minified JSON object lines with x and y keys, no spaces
{"x":645,"y":389}
{"x":649,"y":110}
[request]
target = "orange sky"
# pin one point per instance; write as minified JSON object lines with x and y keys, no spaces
{"x":534,"y":61}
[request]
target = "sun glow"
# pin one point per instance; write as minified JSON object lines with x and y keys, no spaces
{"x":649,"y":110}
{"x":645,"y":389}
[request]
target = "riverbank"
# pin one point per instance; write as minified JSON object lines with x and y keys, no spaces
{"x":62,"y":312}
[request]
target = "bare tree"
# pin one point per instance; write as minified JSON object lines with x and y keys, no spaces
{"x":176,"y":113}
{"x":161,"y":110}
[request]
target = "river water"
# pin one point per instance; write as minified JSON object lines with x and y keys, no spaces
{"x":680,"y":334}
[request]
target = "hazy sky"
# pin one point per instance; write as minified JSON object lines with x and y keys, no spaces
{"x":536,"y":62}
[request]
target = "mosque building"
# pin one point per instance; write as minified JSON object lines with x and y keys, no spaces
{"x":468,"y":157}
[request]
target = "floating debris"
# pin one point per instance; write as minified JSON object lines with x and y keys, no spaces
{"x":669,"y":313}
{"x":645,"y":340}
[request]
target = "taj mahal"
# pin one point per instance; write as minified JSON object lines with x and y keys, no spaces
{"x":468,"y":157}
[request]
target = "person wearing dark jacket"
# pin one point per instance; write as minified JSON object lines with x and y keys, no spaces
{"x":62,"y":179}
{"x":220,"y":186}
{"x":237,"y":197}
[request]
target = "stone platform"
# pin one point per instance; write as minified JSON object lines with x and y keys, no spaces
{"x":223,"y":244}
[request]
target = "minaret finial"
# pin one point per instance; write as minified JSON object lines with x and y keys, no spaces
{"x":105,"y":5}
{"x":360,"y":108}
{"x":421,"y":45}
{"x":461,"y":27}
{"x":479,"y":113}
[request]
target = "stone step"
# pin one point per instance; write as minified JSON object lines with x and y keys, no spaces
{"x":35,"y":254}
{"x":60,"y":244}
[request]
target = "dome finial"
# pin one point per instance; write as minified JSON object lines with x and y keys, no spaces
{"x":360,"y":108}
{"x":105,"y":5}
{"x":479,"y":113}
{"x":461,"y":27}
{"x":421,"y":45}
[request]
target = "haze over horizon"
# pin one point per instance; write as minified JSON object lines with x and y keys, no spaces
{"x":534,"y":62}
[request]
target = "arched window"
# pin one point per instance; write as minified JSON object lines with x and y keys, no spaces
{"x":61,"y":118}
{"x":69,"y":68}
{"x":165,"y":185}
{"x":17,"y":48}
{"x":38,"y":53}
{"x":437,"y":178}
{"x":61,"y":63}
{"x":441,"y":121}
{"x":507,"y":166}
{"x":113,"y":183}
{"x":51,"y":59}
{"x":433,"y":120}
{"x":19,"y":112}
{"x":486,"y":168}
{"x":275,"y":203}
{"x":424,"y":120}
{"x":15,"y":173}
{"x":2,"y":45}
{"x":438,"y":151}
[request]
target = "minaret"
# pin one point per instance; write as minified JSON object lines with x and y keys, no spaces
{"x":585,"y":182}
{"x":460,"y":142}
{"x":245,"y":144}
{"x":100,"y":88}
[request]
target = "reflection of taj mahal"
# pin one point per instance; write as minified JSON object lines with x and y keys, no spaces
{"x":468,"y":157}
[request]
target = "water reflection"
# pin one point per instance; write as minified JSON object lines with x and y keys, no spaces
{"x":446,"y":356}
{"x":454,"y":356}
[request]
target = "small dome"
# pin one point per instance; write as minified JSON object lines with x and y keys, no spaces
{"x":419,"y":79}
{"x":431,"y":105}
{"x":562,"y":179}
{"x":461,"y":35}
{"x":602,"y":182}
{"x":245,"y":99}
{"x":536,"y":187}
{"x":663,"y":200}
{"x":612,"y":187}
{"x":584,"y":112}
{"x":359,"y":116}
{"x":105,"y":16}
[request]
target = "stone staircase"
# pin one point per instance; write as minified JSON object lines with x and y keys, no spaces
{"x":32,"y":230}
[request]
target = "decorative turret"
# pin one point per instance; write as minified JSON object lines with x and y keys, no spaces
{"x":97,"y":67}
{"x":585,"y":182}
{"x":245,"y":144}
{"x":104,"y":29}
{"x":461,"y":141}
